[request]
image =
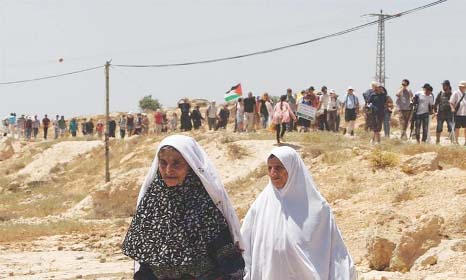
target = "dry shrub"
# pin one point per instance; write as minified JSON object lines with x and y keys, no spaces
{"x":244,"y":182}
{"x":451,"y":155}
{"x":227,"y":139}
{"x":119,"y":204}
{"x":235,"y":151}
{"x":336,"y":157}
{"x":404,"y":194}
{"x":10,"y":232}
{"x":382,"y":159}
{"x":312,"y":151}
{"x":343,"y":191}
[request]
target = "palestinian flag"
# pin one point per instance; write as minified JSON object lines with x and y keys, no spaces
{"x":234,"y":93}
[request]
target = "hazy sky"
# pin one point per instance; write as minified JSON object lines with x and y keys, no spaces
{"x":428,"y":46}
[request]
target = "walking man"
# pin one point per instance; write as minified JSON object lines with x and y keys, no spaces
{"x":424,"y":101}
{"x":404,"y":96}
{"x":351,"y":110}
{"x":323,"y":105}
{"x":35,"y":126}
{"x":45,"y":123}
{"x":56,"y":128}
{"x":249,"y":112}
{"x":442,"y":109}
{"x":211,"y":115}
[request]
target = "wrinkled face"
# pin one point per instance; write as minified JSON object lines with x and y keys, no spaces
{"x":277,"y":172}
{"x":172,"y":167}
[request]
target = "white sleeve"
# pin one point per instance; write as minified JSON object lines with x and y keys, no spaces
{"x":247,"y":233}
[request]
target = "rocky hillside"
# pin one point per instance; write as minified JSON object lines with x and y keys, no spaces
{"x":400,"y":207}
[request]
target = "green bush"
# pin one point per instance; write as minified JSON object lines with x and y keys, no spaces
{"x":149,"y":103}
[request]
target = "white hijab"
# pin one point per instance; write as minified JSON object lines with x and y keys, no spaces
{"x":291,"y":233}
{"x":198,"y":160}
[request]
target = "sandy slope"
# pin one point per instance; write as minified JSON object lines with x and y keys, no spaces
{"x":366,"y":202}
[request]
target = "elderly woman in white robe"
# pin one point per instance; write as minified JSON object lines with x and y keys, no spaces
{"x":290,"y":231}
{"x":185,"y":226}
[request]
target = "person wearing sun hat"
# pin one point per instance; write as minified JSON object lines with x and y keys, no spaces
{"x":458,"y":108}
{"x":424,"y":101}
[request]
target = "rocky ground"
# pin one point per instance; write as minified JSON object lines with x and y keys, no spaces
{"x":401,"y":208}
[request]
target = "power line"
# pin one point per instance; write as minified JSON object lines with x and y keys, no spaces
{"x":336,"y":34}
{"x":51,"y":76}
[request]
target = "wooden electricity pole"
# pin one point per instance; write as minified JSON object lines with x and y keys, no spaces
{"x":107,"y":119}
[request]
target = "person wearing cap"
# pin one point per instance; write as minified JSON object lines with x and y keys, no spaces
{"x":404,"y":97}
{"x":323,"y":105}
{"x":458,"y":108}
{"x":423,"y":101}
{"x":332,"y":109}
{"x":442,"y":109}
{"x":350,"y":109}
{"x":211,"y":115}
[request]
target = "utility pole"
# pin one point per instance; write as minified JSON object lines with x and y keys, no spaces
{"x":107,"y":119}
{"x":380,"y":60}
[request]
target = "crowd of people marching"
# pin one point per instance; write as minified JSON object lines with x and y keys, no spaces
{"x":416,"y":112}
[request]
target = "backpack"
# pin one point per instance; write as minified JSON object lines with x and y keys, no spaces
{"x":444,"y":103}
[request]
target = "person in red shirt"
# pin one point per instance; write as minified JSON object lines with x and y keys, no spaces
{"x":158,"y":119}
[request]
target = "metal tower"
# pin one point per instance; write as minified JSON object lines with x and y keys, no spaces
{"x":380,"y":64}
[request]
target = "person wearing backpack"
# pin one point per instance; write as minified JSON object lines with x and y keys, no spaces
{"x":458,"y":108}
{"x":442,"y":109}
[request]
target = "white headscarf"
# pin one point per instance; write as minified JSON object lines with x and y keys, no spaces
{"x":291,"y":233}
{"x":197,"y":159}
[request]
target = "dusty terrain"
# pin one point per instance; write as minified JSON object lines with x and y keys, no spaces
{"x":400,"y":207}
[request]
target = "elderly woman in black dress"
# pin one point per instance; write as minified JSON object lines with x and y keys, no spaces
{"x":185,"y":226}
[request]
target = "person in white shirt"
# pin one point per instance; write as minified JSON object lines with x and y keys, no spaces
{"x":424,"y":102}
{"x":333,"y":109}
{"x":211,"y":115}
{"x":323,"y":105}
{"x":458,"y":108}
{"x":350,"y":109}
